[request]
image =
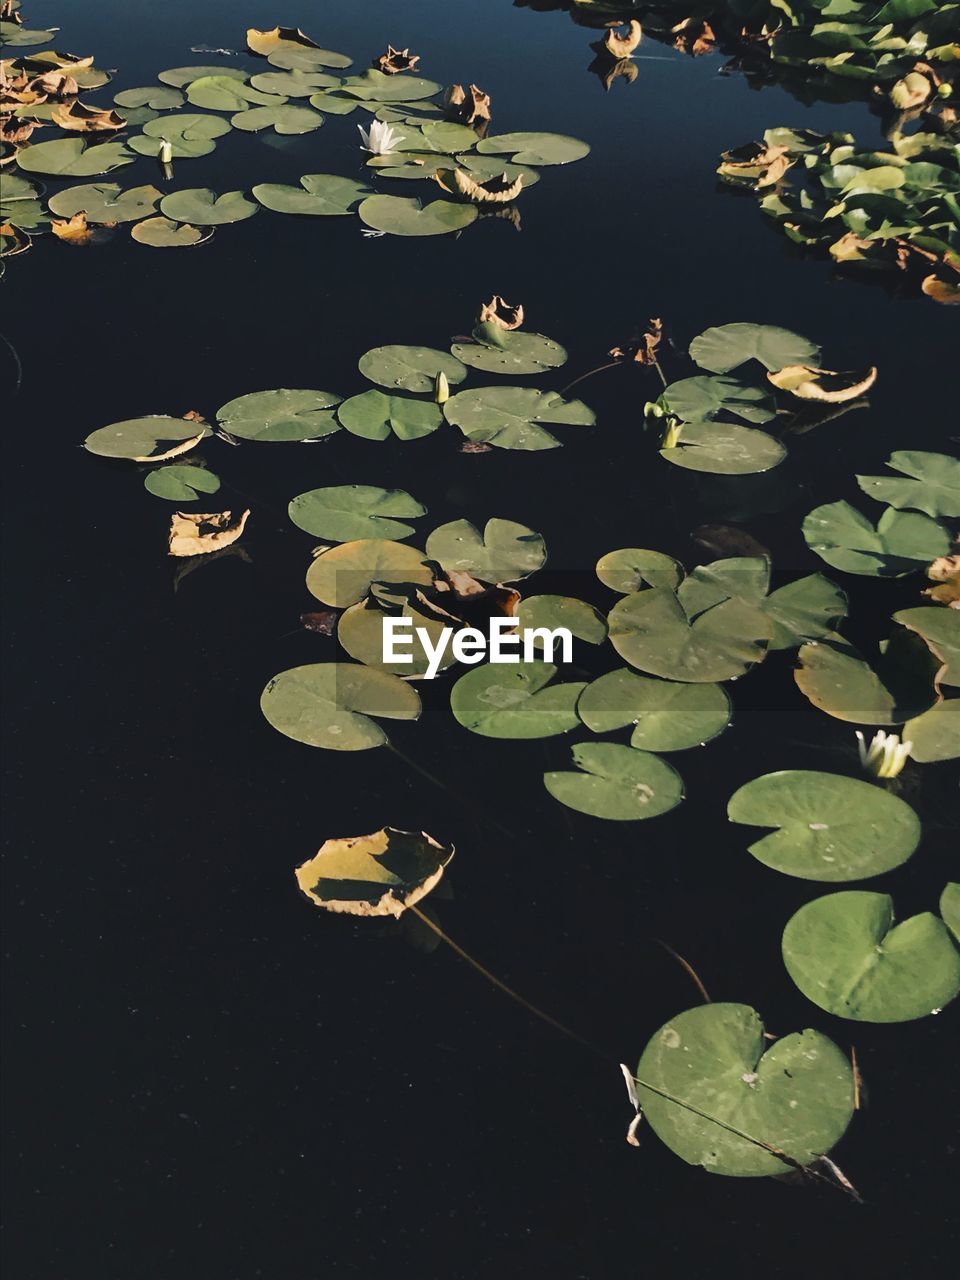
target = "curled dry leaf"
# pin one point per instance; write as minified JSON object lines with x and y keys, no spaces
{"x":501,"y":313}
{"x":643,"y":351}
{"x":694,"y":36}
{"x":609,"y":69}
{"x":755,"y":166}
{"x":622,"y":45}
{"x":471,"y":106}
{"x":944,"y":288}
{"x":809,"y":383}
{"x":197,"y":534}
{"x":16,"y":129}
{"x":849,"y":248}
{"x":396,"y":60}
{"x":381,"y":874}
{"x":498,"y":190}
{"x":323,"y":622}
{"x":79,"y":118}
{"x":13,"y":240}
{"x":913,"y":90}
{"x":72,"y":230}
{"x":56,"y":84}
{"x":945,"y":572}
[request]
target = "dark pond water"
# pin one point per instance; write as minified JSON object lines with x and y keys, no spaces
{"x":211,"y":1079}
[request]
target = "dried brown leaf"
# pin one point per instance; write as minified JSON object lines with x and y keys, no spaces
{"x":501,"y":313}
{"x":323,"y":622}
{"x":196,"y":534}
{"x":945,"y":571}
{"x":621,"y":45}
{"x":394,"y":61}
{"x":72,"y":230}
{"x":498,"y":190}
{"x":827,"y":385}
{"x":83,"y":119}
{"x":644,"y":350}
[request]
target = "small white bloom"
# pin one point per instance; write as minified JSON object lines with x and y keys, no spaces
{"x":166,"y":151}
{"x":381,"y":138}
{"x":885,"y":756}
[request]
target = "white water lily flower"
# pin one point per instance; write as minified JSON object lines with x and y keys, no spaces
{"x":380,"y":138}
{"x":885,"y":756}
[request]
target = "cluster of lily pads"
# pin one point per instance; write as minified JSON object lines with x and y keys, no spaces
{"x":411,"y":135}
{"x":896,"y":209}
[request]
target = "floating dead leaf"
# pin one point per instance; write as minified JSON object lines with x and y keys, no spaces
{"x":56,"y":84}
{"x":851,"y":248}
{"x":13,"y":240}
{"x":755,"y":166}
{"x":644,"y":350}
{"x":196,"y":535}
{"x":79,"y":118}
{"x":396,"y":60}
{"x":475,"y":446}
{"x":193,"y":415}
{"x":943,"y":285}
{"x":501,"y":313}
{"x":381,"y":874}
{"x":945,"y":572}
{"x":694,"y":36}
{"x":267,"y":42}
{"x":608,"y":70}
{"x":471,"y":106}
{"x":809,"y":383}
{"x":723,"y":540}
{"x":72,"y":230}
{"x":499,"y":190}
{"x":459,"y":588}
{"x":16,"y":129}
{"x":620,"y":44}
{"x":323,"y":622}
{"x":181,"y":447}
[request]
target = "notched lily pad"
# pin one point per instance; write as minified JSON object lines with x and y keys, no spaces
{"x":534,"y":148}
{"x":399,"y":216}
{"x":146,"y":439}
{"x":342,"y":576}
{"x":666,"y":715}
{"x":504,"y":552}
{"x":374,"y":415}
{"x":203,"y":207}
{"x":164,"y":233}
{"x":618,"y":783}
{"x":181,"y":484}
{"x":410,"y":368}
{"x":896,"y":685}
{"x":382,"y":874}
{"x":282,"y":414}
{"x":728,"y":346}
{"x":330,"y":705}
{"x":349,"y":511}
{"x":928,"y":482}
{"x":902,"y":541}
{"x":498,"y":350}
{"x":515,"y":700}
{"x":511,"y":417}
{"x":319,"y":195}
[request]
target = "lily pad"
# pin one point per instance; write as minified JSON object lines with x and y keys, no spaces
{"x":329,"y":704}
{"x":164,"y":233}
{"x":105,"y":202}
{"x":846,"y":955}
{"x":728,"y":346}
{"x":13,"y":36}
{"x":666,"y":715}
{"x":515,"y":700}
{"x":485,"y":168}
{"x":375,"y":86}
{"x":618,"y":783}
{"x":498,"y":350}
{"x":293,"y":84}
{"x":928,"y":482}
{"x":347,"y":511}
{"x":807,"y":609}
{"x":701,"y":398}
{"x":341,"y":576}
{"x":333,"y":103}
{"x":897,"y":686}
{"x":828,"y":827}
{"x":510,"y":417}
{"x":935,"y":734}
{"x":374,"y":415}
{"x":399,"y":216}
{"x":902,"y":542}
{"x":723,"y":448}
{"x":360,"y":632}
{"x":319,"y":195}
{"x":288,"y":119}
{"x":73,"y":158}
{"x":181,"y":484}
{"x":205,"y":208}
{"x":189,"y":134}
{"x":652,"y":631}
{"x":631,"y":568}
{"x":377,"y":875}
{"x":290,"y":47}
{"x":950,"y":908}
{"x":796,"y":1095}
{"x":505,"y":552}
{"x":181,"y":76}
{"x":535,"y":148}
{"x":156,"y":96}
{"x":143,"y":438}
{"x":226,"y":93}
{"x":579,"y":618}
{"x":941,"y":630}
{"x":410,"y":368}
{"x":280,"y":415}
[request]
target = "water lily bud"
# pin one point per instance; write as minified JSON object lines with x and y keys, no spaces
{"x":441,"y":389}
{"x":653,"y":410}
{"x":945,"y":90}
{"x":166,"y":151}
{"x":671,"y":436}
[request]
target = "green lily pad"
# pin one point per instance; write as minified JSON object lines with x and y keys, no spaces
{"x":13,"y":36}
{"x":723,"y":448}
{"x":897,"y":686}
{"x":375,"y":86}
{"x":728,"y":346}
{"x":181,"y":76}
{"x":287,"y":119}
{"x":950,"y":908}
{"x":333,"y":104}
{"x":618,"y":783}
{"x":515,"y":700}
{"x":652,"y":631}
{"x":485,"y":168}
{"x":796,"y":1095}
{"x":164,"y":233}
{"x":374,"y":415}
{"x":807,"y":609}
{"x":136,"y":116}
{"x":189,"y":134}
{"x":347,"y":511}
{"x":342,"y":575}
{"x":505,"y":552}
{"x":308,"y":60}
{"x":828,"y":827}
{"x":935,"y":734}
{"x":319,"y":195}
{"x":181,"y":484}
{"x":226,"y":93}
{"x":902,"y":542}
{"x":627,"y":570}
{"x":329,"y":704}
{"x":157,"y":97}
{"x":846,"y":955}
{"x":941,"y":629}
{"x":579,"y":618}
{"x":399,"y":216}
{"x":70,"y":64}
{"x":700,"y":399}
{"x":410,"y":368}
{"x":293,"y":84}
{"x":666,"y":715}
{"x":377,"y":875}
{"x":360,"y":632}
{"x":280,"y":415}
{"x":534,"y":148}
{"x":510,"y":417}
{"x":928,"y":482}
{"x":503,"y":351}
{"x":203,"y":207}
{"x":105,"y":202}
{"x":142,"y":437}
{"x":73,"y":158}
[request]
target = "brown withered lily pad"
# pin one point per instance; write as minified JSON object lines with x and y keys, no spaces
{"x":382,"y":874}
{"x":620,"y":44}
{"x":82,"y":119}
{"x":16,"y":129}
{"x":808,"y":383}
{"x":499,"y":190}
{"x":945,"y":572}
{"x":644,"y":350}
{"x":197,"y":534}
{"x":755,"y":166}
{"x":694,"y":36}
{"x":471,"y":105}
{"x":501,"y":313}
{"x":396,"y":60}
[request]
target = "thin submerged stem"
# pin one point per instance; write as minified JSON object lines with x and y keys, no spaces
{"x":688,"y":969}
{"x":443,"y":786}
{"x":589,"y":374}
